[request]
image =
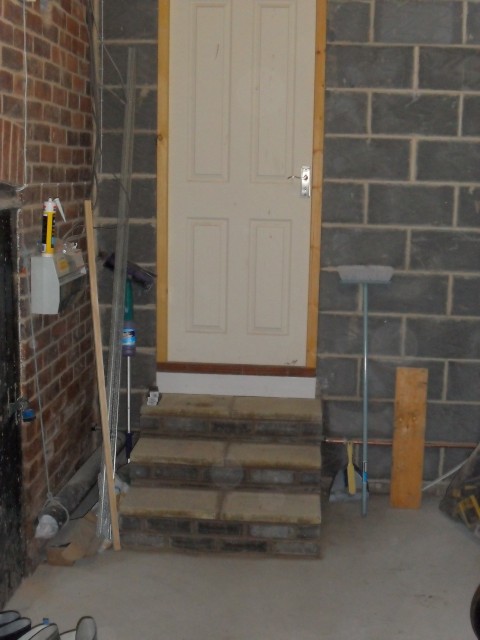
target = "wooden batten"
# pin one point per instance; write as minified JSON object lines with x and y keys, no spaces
{"x":408,"y":438}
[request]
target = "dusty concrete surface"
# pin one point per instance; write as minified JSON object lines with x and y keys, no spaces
{"x":393,"y":575}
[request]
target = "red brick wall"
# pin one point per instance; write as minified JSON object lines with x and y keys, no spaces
{"x":58,"y":164}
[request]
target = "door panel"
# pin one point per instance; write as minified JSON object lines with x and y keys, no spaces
{"x":241,"y":121}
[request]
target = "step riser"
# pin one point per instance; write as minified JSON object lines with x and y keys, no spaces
{"x":228,"y":478}
{"x":287,"y":432}
{"x":218,"y":537}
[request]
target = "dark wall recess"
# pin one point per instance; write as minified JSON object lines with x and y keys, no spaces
{"x":12,"y":549}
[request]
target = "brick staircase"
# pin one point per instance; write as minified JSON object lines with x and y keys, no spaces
{"x":226,"y":474}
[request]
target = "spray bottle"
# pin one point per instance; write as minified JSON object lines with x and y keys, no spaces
{"x":129,"y":347}
{"x":129,"y":340}
{"x":50,"y":208}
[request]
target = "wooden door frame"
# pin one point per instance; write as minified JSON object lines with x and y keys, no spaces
{"x":162,"y":182}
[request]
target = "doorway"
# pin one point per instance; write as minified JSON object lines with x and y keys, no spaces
{"x":12,"y":552}
{"x":228,"y":299}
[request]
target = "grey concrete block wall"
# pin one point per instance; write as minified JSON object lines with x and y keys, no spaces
{"x":130,"y":24}
{"x":402,"y":187}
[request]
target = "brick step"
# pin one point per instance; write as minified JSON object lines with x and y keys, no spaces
{"x":200,"y":520}
{"x":253,"y":419}
{"x":223,"y":464}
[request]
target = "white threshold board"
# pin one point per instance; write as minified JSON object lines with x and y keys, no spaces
{"x":236,"y":385}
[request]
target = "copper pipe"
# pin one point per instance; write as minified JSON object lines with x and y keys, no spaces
{"x":388,"y":443}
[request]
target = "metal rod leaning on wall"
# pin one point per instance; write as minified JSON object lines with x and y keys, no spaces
{"x":110,"y":474}
{"x":119,"y":279}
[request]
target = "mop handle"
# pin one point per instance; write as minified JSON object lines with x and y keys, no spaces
{"x":365,"y":400}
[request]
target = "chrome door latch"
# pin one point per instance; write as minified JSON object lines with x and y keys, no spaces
{"x":305,"y":182}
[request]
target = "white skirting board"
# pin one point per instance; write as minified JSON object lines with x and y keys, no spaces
{"x":236,"y":385}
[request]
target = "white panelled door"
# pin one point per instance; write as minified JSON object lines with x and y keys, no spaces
{"x":241,"y":120}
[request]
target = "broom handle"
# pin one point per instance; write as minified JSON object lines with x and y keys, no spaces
{"x":365,"y":400}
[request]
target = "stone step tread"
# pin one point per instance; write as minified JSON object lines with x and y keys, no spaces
{"x":232,"y":407}
{"x":238,"y":506}
{"x":217,"y":453}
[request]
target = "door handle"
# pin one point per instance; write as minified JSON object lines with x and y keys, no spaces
{"x":305,"y":181}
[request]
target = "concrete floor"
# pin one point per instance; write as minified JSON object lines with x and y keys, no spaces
{"x":394,"y":574}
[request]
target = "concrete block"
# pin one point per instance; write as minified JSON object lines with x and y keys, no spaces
{"x":348,"y":22}
{"x":143,"y":371}
{"x":431,"y":464}
{"x":453,"y":457}
{"x":345,"y":112}
{"x":359,"y":245}
{"x":308,"y":532}
{"x":466,"y":296}
{"x":115,"y":65}
{"x":219,"y":528}
{"x":448,"y":161}
{"x":335,"y":296}
{"x":411,"y":294}
{"x":357,"y":158}
{"x":473,"y":23}
{"x":144,"y":150}
{"x":141,"y":297}
{"x":171,"y":474}
{"x":350,"y":66}
{"x":144,"y":193}
{"x":449,"y":69}
{"x":138,"y":472}
{"x":232,"y":428}
{"x":272,"y":531}
{"x":463,"y":381}
{"x":453,"y":421}
{"x":443,"y":338}
{"x":173,"y":425}
{"x":471,"y":120}
{"x":309,"y":479}
{"x":169,"y":525}
{"x":112,"y":152}
{"x":379,"y":462}
{"x":286,"y":430}
{"x":123,"y":20}
{"x":193,"y":543}
{"x":143,"y":540}
{"x":382,"y":374}
{"x":145,"y":326}
{"x":344,"y":334}
{"x":272,"y":477}
{"x":427,"y":115}
{"x":131,"y":523}
{"x":297,"y":548}
{"x":337,"y":376}
{"x":445,"y":250}
{"x":343,"y":202}
{"x":144,"y":153}
{"x":415,"y":22}
{"x":410,"y":205}
{"x":145,"y":108}
{"x":344,"y":419}
{"x":226,"y":477}
{"x":243,"y":546}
